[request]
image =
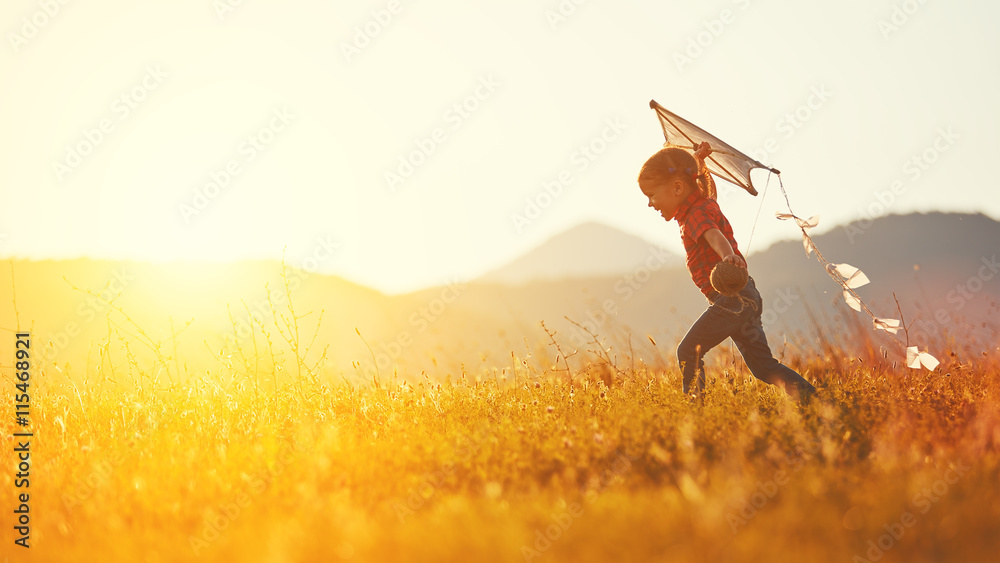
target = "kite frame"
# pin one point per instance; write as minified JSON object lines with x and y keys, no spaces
{"x":718,"y":169}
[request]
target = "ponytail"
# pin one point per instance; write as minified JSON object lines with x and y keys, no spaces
{"x":706,"y":184}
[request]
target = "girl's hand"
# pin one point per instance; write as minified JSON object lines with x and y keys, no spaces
{"x":703,"y":150}
{"x":735,"y":260}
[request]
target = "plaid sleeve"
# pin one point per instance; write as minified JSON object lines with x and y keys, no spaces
{"x":698,"y":222}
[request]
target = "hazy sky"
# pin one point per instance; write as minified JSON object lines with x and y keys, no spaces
{"x":403,"y":143}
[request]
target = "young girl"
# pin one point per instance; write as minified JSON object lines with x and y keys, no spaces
{"x":680,"y":187}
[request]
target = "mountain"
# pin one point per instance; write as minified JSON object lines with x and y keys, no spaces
{"x":939,"y":249}
{"x":939,"y":270}
{"x":588,"y":250}
{"x":941,"y":267}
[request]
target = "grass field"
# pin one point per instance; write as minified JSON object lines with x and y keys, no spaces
{"x":263,"y":457}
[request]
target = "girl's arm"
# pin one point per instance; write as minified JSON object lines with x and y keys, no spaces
{"x":721,"y":246}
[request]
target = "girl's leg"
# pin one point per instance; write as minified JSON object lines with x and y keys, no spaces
{"x":715,"y":325}
{"x":752,"y":344}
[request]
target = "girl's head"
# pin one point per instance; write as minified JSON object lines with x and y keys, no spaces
{"x":669,"y":176}
{"x":675,"y":162}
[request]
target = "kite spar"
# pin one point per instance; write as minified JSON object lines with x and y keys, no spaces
{"x":733,"y":166}
{"x":725,"y":161}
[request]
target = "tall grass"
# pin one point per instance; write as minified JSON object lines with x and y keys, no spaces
{"x":266,"y":456}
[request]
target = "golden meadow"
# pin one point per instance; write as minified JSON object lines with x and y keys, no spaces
{"x":234,"y":436}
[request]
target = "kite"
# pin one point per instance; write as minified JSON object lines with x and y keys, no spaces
{"x":734,"y":166}
{"x":725,"y":161}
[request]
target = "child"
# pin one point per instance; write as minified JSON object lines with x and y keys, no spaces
{"x":680,"y":187}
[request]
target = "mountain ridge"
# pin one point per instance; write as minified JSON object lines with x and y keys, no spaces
{"x":956,"y":283}
{"x":589,"y":249}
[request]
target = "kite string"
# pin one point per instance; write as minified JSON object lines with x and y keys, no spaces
{"x":784,"y":193}
{"x":763,"y":196}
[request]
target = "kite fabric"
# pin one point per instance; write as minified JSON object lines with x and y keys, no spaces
{"x":725,"y":161}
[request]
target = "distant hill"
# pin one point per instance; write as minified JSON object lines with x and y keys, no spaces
{"x":588,"y":250}
{"x":936,"y":264}
{"x":205,"y":304}
{"x":941,"y":249}
{"x":921,"y":258}
{"x":942,"y":267}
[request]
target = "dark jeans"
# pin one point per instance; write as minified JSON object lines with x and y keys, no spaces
{"x":739,"y":319}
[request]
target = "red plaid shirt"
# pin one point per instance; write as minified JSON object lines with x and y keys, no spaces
{"x":697,"y":215}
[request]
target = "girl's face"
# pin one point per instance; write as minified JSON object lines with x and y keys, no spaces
{"x":665,"y":196}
